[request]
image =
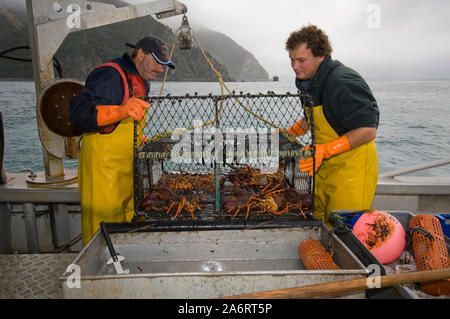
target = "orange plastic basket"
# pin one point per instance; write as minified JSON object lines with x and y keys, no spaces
{"x":314,"y":256}
{"x":430,"y":251}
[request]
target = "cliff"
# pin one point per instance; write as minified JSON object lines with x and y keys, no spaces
{"x":241,"y":64}
{"x":82,"y":51}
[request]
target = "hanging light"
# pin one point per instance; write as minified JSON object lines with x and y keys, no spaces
{"x":185,"y":38}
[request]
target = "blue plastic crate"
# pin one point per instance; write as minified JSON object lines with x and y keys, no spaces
{"x":350,"y":219}
{"x":445,"y":223}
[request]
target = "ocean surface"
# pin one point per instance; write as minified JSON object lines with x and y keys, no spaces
{"x":414,"y":122}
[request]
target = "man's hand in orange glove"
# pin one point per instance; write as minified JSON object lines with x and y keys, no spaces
{"x":109,"y":114}
{"x":324,"y":151}
{"x":298,"y":129}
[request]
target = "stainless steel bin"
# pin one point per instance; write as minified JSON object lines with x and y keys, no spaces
{"x":205,"y":264}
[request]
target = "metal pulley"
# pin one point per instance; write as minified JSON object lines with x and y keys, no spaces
{"x":185,"y":38}
{"x":58,"y":136}
{"x":55,"y":107}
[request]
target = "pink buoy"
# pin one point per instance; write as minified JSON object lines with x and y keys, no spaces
{"x":382,"y":234}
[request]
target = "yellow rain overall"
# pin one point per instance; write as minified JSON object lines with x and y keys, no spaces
{"x":346,"y":181}
{"x":106,"y":169}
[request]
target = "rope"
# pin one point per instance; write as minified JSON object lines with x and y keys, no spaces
{"x":162,"y":156}
{"x":162,"y":85}
{"x":223,"y":86}
{"x":53,"y":185}
{"x":3,"y":53}
{"x":167,"y":134}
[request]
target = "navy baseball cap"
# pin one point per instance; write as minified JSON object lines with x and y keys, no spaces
{"x":156,"y":47}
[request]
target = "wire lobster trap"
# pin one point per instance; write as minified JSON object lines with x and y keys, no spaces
{"x":214,"y":158}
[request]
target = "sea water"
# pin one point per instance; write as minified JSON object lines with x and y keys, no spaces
{"x":414,"y":120}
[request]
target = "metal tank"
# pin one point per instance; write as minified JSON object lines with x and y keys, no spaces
{"x":204,"y":264}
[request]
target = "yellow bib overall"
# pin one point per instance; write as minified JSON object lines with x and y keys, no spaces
{"x":346,"y":181}
{"x":106,"y":178}
{"x":105,"y":171}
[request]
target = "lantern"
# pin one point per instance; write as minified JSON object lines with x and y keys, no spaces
{"x":184,"y":38}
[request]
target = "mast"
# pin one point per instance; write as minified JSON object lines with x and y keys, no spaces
{"x":49,"y":22}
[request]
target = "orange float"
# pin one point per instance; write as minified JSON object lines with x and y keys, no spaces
{"x":382,"y":234}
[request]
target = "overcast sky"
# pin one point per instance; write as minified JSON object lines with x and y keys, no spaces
{"x":406,"y":40}
{"x":381,"y":39}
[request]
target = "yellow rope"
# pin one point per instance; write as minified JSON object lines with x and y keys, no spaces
{"x":290,"y":137}
{"x":53,"y":185}
{"x":223,"y":85}
{"x":162,"y":85}
{"x":167,"y":134}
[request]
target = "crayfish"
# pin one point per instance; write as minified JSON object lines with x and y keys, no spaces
{"x":248,"y":176}
{"x":164,"y":199}
{"x":189,"y":182}
{"x":273,"y":200}
{"x":240,"y":198}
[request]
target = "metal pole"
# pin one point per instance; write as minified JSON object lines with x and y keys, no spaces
{"x":5,"y":229}
{"x":29,"y":217}
{"x":217,"y":165}
{"x":2,"y":152}
{"x":416,"y":168}
{"x":43,"y":74}
{"x":60,"y":224}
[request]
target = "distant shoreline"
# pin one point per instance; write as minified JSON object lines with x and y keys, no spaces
{"x":191,"y":80}
{"x":16,"y":80}
{"x":368,"y":79}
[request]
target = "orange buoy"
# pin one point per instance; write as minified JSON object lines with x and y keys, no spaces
{"x":382,"y":234}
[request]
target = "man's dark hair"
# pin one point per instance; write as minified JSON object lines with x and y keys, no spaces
{"x":315,"y":39}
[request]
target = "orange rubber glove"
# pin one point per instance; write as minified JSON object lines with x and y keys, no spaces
{"x":297,"y":129}
{"x":324,"y":151}
{"x":109,"y":114}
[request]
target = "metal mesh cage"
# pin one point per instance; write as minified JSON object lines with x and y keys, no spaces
{"x":221,"y":157}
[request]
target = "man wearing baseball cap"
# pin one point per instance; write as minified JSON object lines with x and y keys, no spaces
{"x":105,"y":111}
{"x":156,"y":48}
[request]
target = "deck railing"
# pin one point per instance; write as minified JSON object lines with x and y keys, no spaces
{"x":416,"y":168}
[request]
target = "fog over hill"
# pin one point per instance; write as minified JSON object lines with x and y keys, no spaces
{"x":82,"y":51}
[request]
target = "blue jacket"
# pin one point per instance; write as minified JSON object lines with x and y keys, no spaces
{"x":103,"y":87}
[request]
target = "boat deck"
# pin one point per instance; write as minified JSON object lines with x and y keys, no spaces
{"x":20,"y":189}
{"x":32,"y":276}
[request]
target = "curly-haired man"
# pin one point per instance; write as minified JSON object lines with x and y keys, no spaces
{"x":346,"y":118}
